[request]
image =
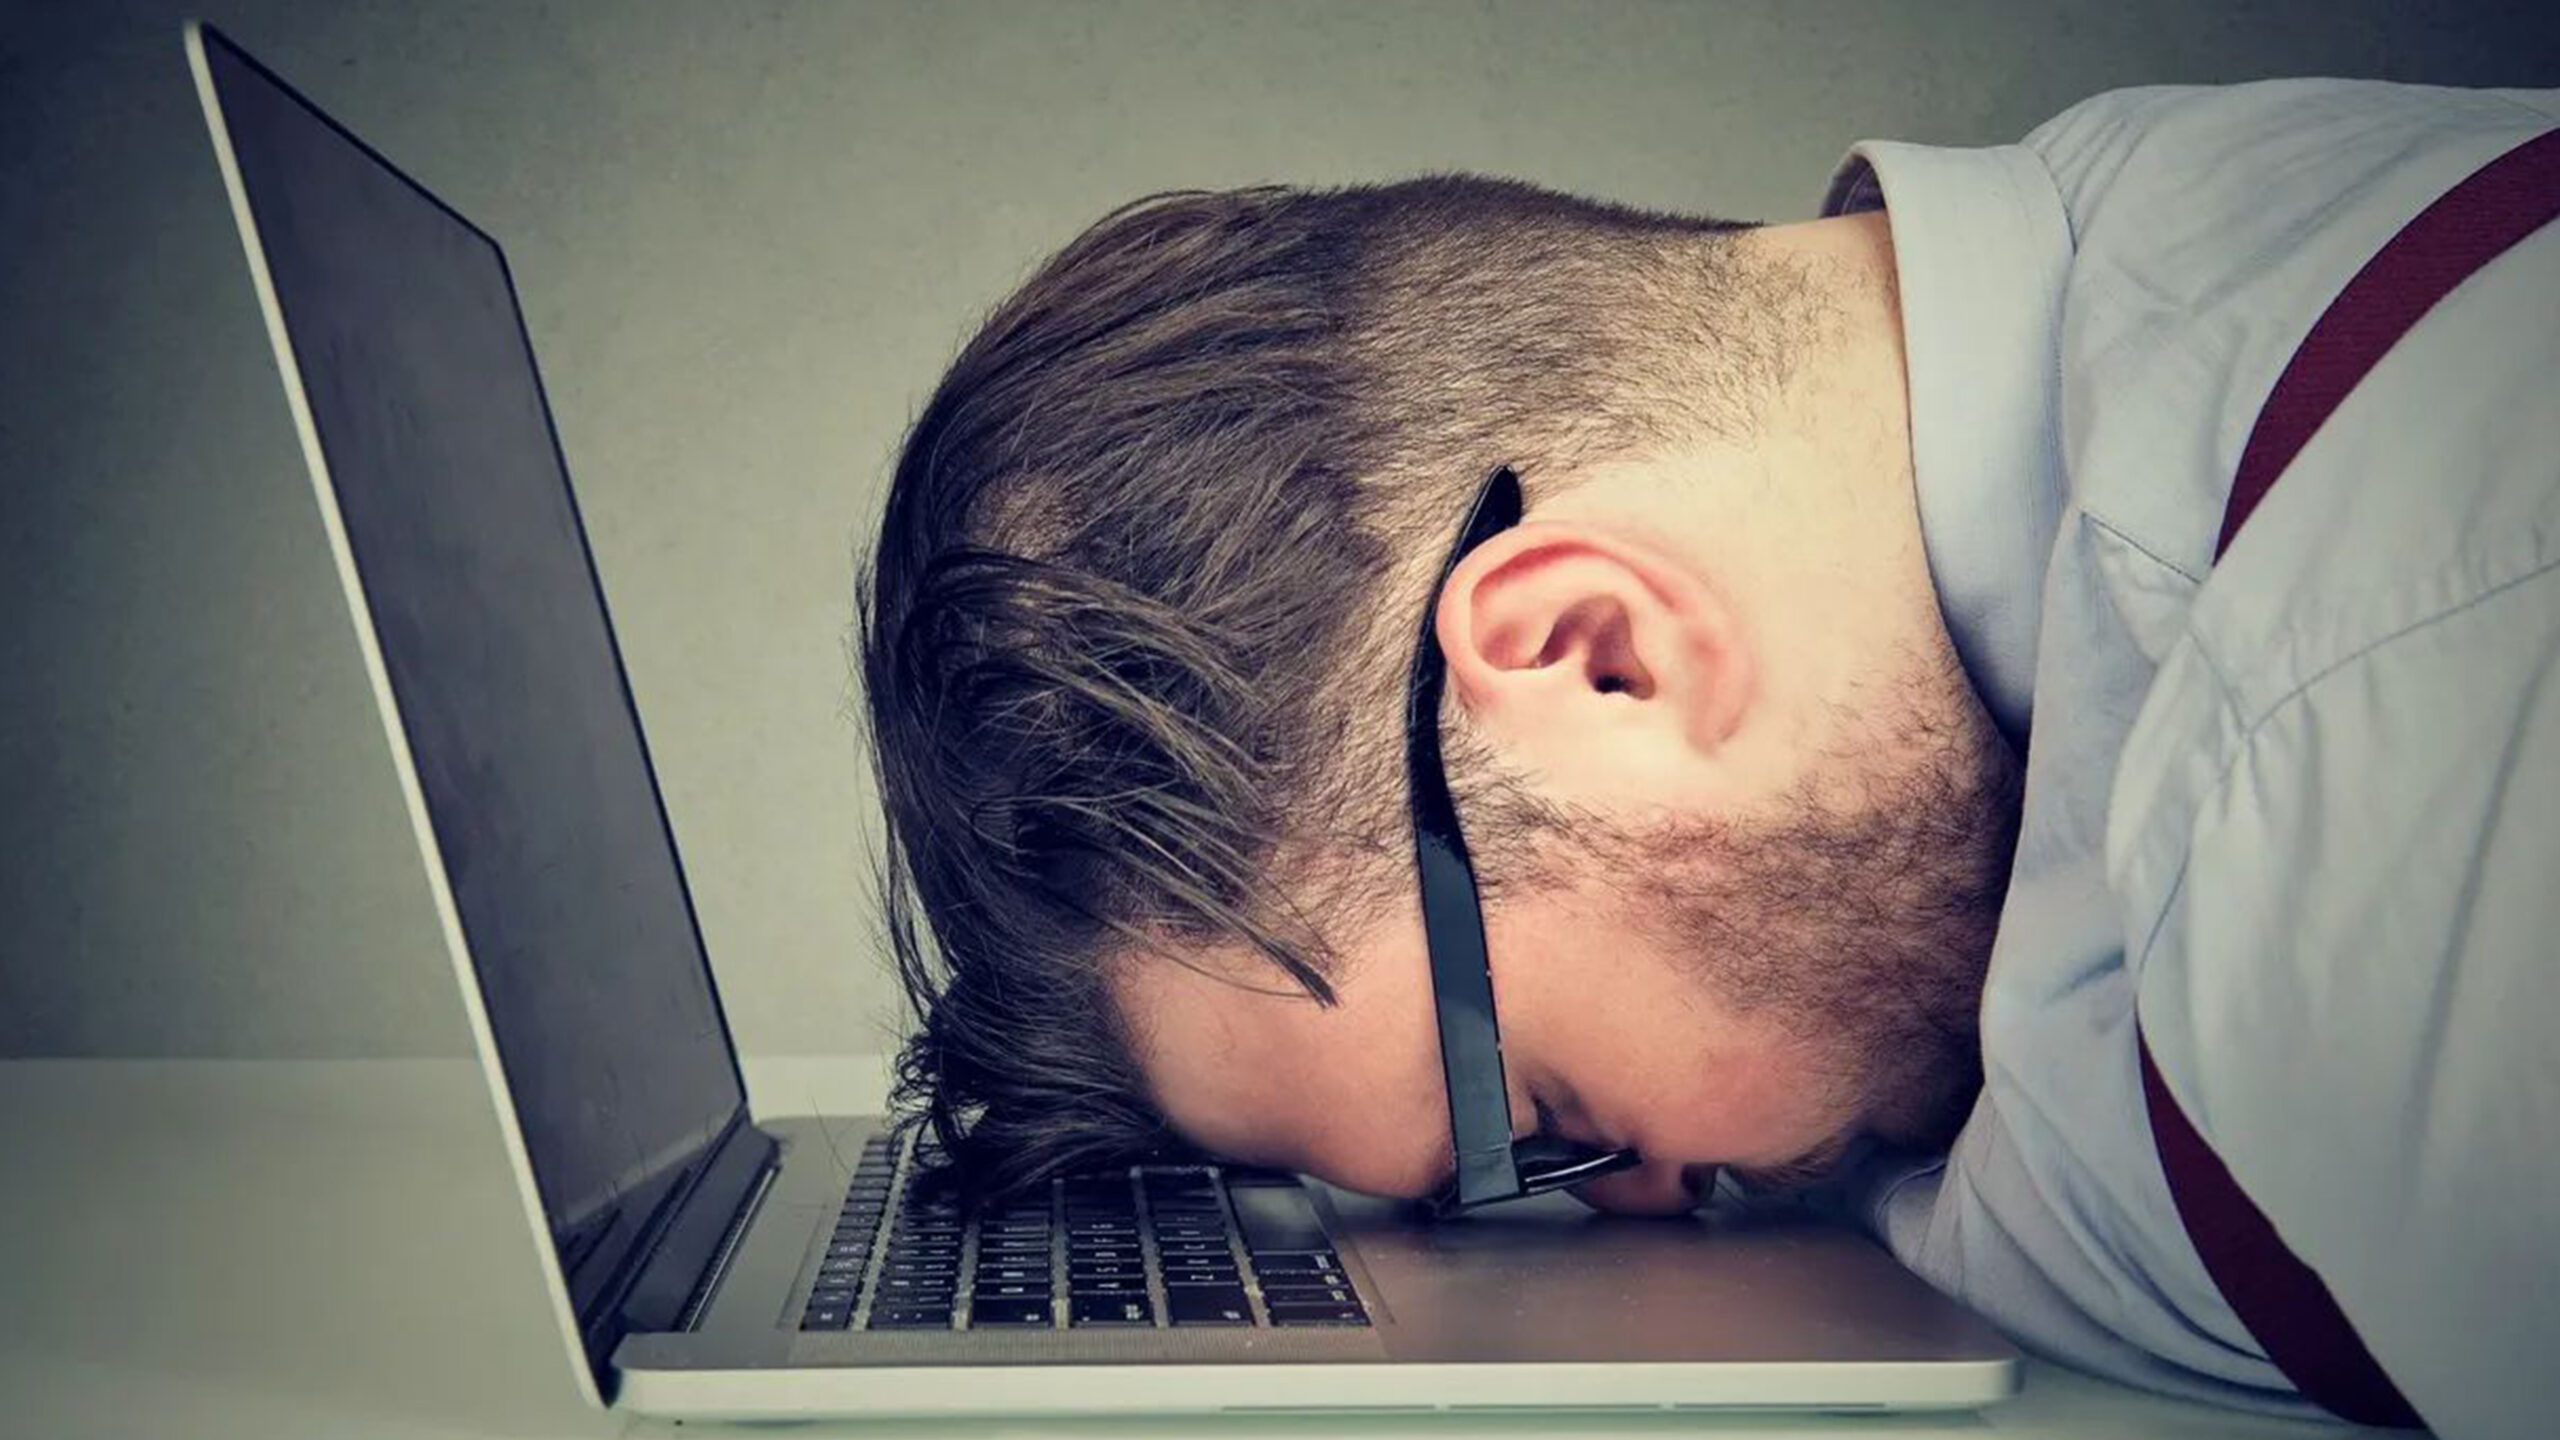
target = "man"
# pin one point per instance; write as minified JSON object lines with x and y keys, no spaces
{"x":1857,"y":736}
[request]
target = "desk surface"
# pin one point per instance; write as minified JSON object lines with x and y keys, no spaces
{"x":333,"y":1248}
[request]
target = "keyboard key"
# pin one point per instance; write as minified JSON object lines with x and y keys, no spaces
{"x":1205,"y":1228}
{"x":1279,"y":1220}
{"x":1117,"y":1285}
{"x":1204,"y":1305}
{"x":988,"y":1313}
{"x":1204,"y":1275}
{"x":1248,"y":1176}
{"x":988,"y":1272}
{"x":827,"y":1317}
{"x":1318,"y":1314}
{"x":1325,"y":1263}
{"x":1170,"y":1247}
{"x":894,"y":1287}
{"x":1308,"y":1294}
{"x":1010,"y":1289}
{"x":1110,"y":1310}
{"x":827,"y":1294}
{"x":1080,"y":1240}
{"x":911,"y":1317}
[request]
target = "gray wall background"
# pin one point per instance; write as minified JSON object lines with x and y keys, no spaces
{"x":748,"y":236}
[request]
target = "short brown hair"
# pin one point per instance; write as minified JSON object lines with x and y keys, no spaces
{"x":1135,"y":632}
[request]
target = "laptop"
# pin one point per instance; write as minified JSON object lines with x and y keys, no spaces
{"x":710,"y":1262}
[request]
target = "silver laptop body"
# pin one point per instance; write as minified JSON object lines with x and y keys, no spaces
{"x":703,"y":1262}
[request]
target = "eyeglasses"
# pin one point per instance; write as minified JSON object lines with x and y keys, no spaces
{"x":1491,"y":1167}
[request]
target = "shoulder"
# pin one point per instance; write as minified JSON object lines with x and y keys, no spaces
{"x":2260,"y":144}
{"x":2211,"y":226}
{"x":2343,"y":888}
{"x":2180,"y":197}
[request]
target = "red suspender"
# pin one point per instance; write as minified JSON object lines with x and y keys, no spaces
{"x":2280,"y":1299}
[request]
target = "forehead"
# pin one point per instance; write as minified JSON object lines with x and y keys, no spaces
{"x":1245,"y":1065}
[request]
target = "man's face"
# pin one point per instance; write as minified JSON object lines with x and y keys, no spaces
{"x":1762,"y":994}
{"x":1607,"y":1041}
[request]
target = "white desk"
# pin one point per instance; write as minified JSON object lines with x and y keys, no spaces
{"x":333,"y":1249}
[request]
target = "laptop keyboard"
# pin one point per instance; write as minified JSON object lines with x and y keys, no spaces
{"x":1139,"y":1248}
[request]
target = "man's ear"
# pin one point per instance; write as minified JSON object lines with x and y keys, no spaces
{"x":1596,"y":658}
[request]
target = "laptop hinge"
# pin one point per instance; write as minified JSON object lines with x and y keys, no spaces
{"x":712,"y":1275}
{"x":700,"y":1231}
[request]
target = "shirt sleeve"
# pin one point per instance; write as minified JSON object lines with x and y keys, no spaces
{"x":1982,"y":1226}
{"x":2352,"y":988}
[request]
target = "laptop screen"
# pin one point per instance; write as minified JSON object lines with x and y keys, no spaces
{"x":478,"y":587}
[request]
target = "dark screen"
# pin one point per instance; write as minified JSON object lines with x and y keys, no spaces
{"x":485,"y":604}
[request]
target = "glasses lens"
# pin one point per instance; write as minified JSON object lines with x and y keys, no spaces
{"x":1553,"y":1165}
{"x":1544,"y":1165}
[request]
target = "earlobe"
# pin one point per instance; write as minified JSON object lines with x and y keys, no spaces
{"x":1572,"y":631}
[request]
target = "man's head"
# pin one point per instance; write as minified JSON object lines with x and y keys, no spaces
{"x":1136,"y":636}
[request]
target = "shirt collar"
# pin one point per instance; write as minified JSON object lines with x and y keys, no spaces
{"x":1980,"y":246}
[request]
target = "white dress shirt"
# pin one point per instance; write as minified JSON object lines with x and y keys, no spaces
{"x":2300,"y":809}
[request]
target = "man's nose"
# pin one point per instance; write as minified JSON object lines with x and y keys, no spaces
{"x":1656,"y":1187}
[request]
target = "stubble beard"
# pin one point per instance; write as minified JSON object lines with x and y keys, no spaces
{"x":1859,"y":920}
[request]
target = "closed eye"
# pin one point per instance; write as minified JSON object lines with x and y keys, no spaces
{"x":1549,"y":1128}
